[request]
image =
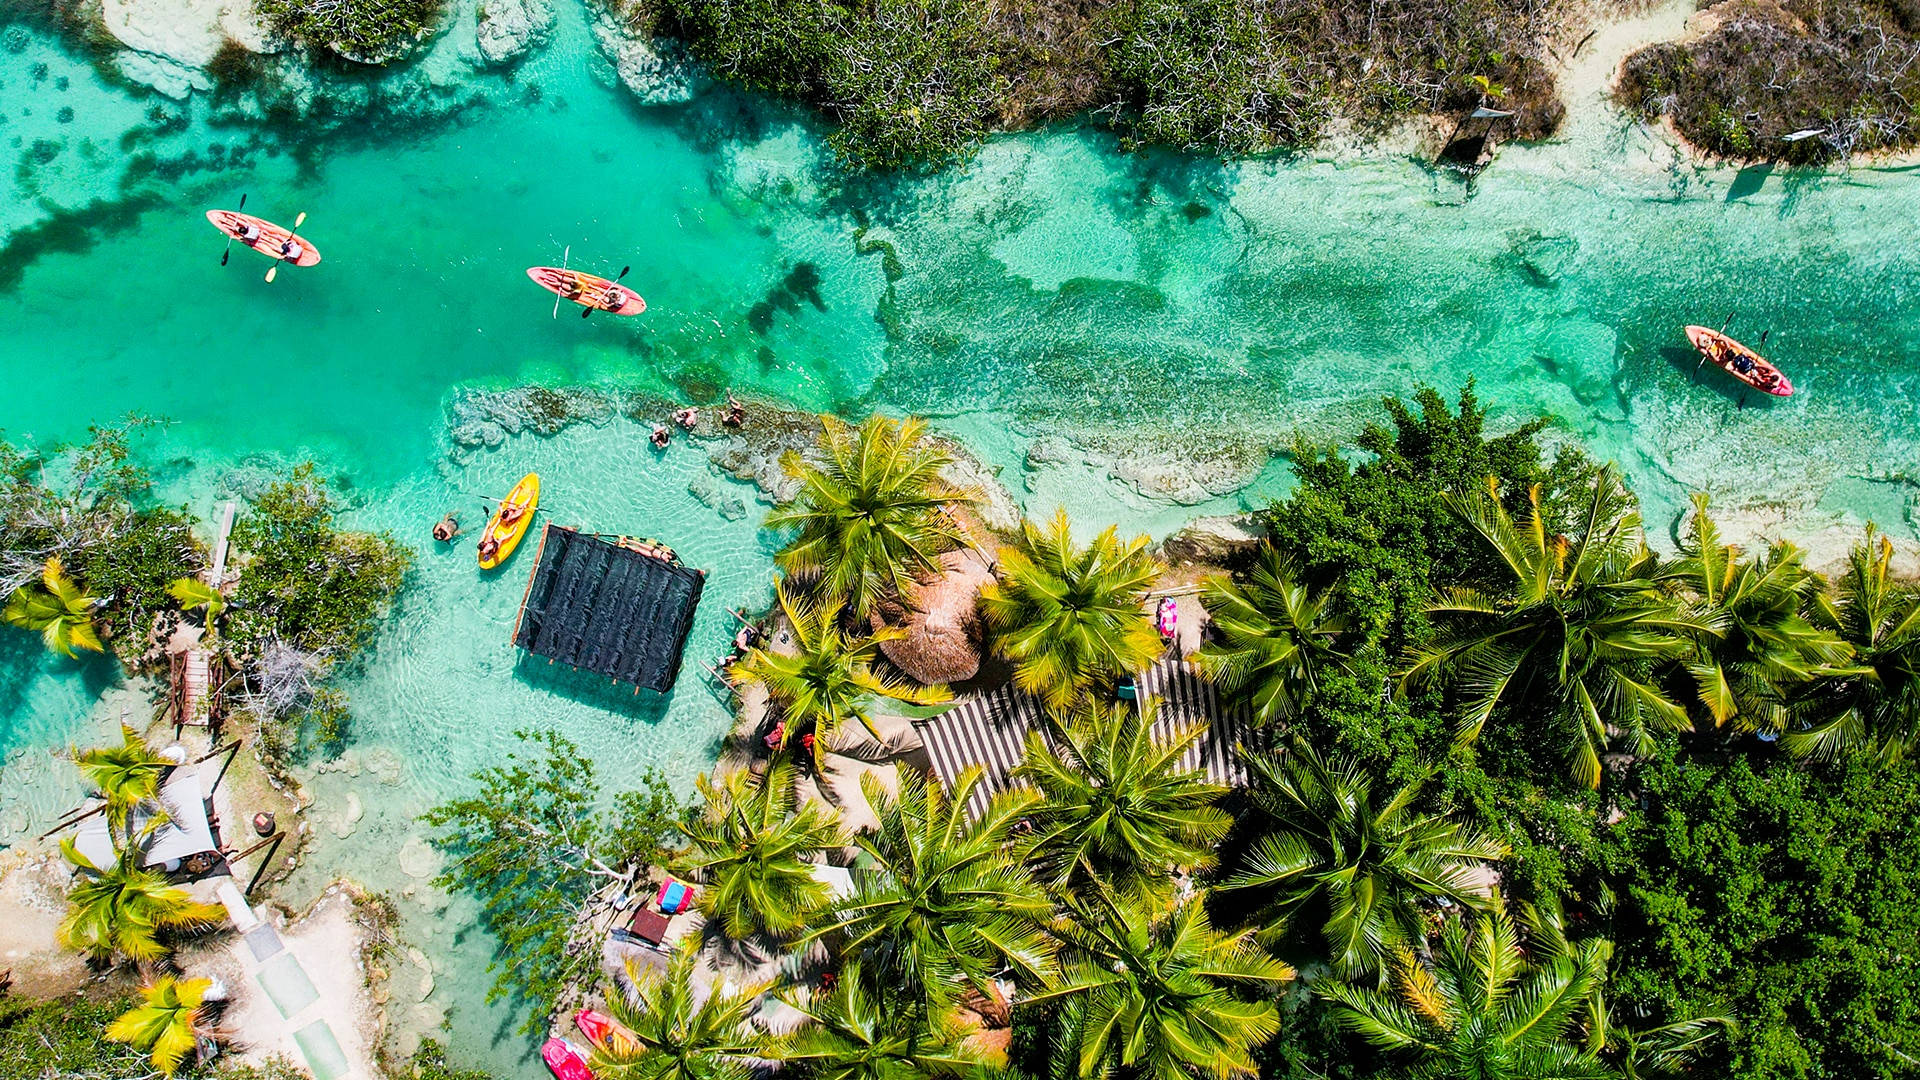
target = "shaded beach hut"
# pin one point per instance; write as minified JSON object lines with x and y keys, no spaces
{"x":184,"y":840}
{"x":614,"y":606}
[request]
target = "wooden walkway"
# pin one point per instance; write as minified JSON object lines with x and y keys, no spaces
{"x":194,"y":676}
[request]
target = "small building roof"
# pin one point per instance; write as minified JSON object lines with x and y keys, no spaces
{"x":186,"y":831}
{"x":608,"y":607}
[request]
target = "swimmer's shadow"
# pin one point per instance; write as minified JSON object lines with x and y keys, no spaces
{"x":1715,"y":381}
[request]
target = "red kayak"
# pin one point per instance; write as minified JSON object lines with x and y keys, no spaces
{"x":268,"y":239}
{"x":587,"y":290}
{"x":606,"y":1034}
{"x":565,"y":1060}
{"x":1739,"y":361}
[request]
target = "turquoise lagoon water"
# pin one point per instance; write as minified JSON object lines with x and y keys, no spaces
{"x":1150,"y":304}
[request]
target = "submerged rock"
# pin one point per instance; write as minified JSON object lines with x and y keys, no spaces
{"x":653,"y":69}
{"x":509,"y":29}
{"x":1188,"y":476}
{"x":1542,"y":258}
{"x":1214,"y":541}
{"x":1583,"y":355}
{"x":708,"y":490}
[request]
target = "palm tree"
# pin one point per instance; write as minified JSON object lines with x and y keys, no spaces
{"x":1069,"y":616}
{"x":1873,"y":707}
{"x":194,"y":593}
{"x":1158,"y":994}
{"x":1276,"y":638}
{"x":829,"y":678}
{"x":1116,"y":808}
{"x":1481,"y":1007}
{"x":858,"y":1033}
{"x":166,"y":1022}
{"x":679,"y":1031}
{"x":751,"y":846}
{"x":1761,"y":648}
{"x":58,"y":608}
{"x":1573,"y":634}
{"x":1368,"y":859}
{"x":870,"y":517}
{"x":948,"y":902}
{"x":126,"y":776}
{"x":125,"y":910}
{"x":1666,"y":1050}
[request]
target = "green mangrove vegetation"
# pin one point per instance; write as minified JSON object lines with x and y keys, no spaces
{"x":910,"y":82}
{"x":1527,"y":800}
{"x":1795,"y":81}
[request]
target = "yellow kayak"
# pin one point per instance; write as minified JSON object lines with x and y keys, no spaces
{"x":505,"y":535}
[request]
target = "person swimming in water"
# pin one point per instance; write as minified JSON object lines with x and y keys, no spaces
{"x":447,"y":529}
{"x":662,"y":435}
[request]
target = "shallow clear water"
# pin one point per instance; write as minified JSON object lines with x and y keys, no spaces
{"x":1051,"y":286}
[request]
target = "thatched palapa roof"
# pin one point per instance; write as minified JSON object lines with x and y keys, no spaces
{"x":942,"y":620}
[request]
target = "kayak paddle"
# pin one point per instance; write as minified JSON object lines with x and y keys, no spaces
{"x":229,"y":251}
{"x":589,"y":311}
{"x":564,"y":256}
{"x":275,"y":269}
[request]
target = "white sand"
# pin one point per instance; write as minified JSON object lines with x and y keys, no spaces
{"x":327,"y":941}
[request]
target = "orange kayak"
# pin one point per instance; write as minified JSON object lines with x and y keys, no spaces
{"x":525,"y":497}
{"x":270,"y":240}
{"x":587,"y":290}
{"x":1739,"y":361}
{"x":606,"y":1034}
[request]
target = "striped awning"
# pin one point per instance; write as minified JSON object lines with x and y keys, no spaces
{"x":990,"y":730}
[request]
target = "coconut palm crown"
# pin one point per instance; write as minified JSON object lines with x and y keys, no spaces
{"x":829,"y":679}
{"x":1068,"y":616}
{"x":1367,"y":857}
{"x":1573,"y":633}
{"x":1159,"y":994}
{"x":1761,"y":649}
{"x":1276,"y":638}
{"x":1483,"y":1007}
{"x":753,"y":848}
{"x":869,"y":518}
{"x":1114,"y":806}
{"x":125,"y":910}
{"x":59,"y":609}
{"x":126,"y":776}
{"x":166,"y":1021}
{"x":858,"y":1032}
{"x":1873,"y":707}
{"x":679,"y":1031}
{"x":948,"y":902}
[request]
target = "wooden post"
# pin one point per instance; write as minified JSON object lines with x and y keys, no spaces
{"x":264,"y":862}
{"x":69,"y":820}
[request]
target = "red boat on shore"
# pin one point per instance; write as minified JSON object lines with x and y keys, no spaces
{"x":1739,"y":361}
{"x":565,"y":1060}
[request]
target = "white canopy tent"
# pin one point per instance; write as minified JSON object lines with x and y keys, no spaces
{"x":186,"y":831}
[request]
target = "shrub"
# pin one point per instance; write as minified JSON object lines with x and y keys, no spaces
{"x":61,"y":1037}
{"x":366,"y":31}
{"x":305,"y":583}
{"x":1848,"y":69}
{"x":1790,"y":895}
